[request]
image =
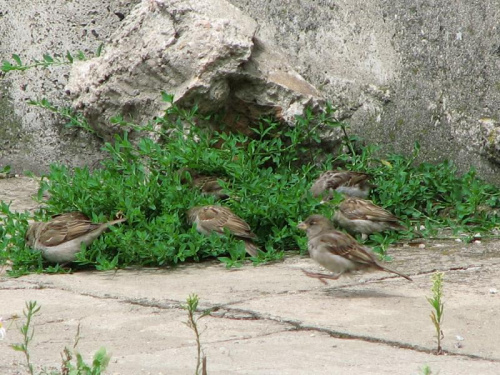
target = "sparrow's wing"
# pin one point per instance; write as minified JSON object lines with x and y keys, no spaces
{"x":335,"y":179}
{"x":361,"y":209}
{"x":356,"y":178}
{"x":65,"y":227}
{"x":217,"y":218}
{"x":342,"y":244}
{"x":76,"y":215}
{"x":201,"y":180}
{"x":209,"y":186}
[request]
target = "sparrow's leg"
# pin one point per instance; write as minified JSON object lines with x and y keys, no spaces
{"x":321,"y":276}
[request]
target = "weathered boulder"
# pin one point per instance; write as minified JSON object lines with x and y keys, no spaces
{"x":203,"y":52}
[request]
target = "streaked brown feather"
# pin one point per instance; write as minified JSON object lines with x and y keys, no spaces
{"x":340,"y":243}
{"x":335,"y":179}
{"x":356,"y":208}
{"x":218,"y":218}
{"x":208,"y":184}
{"x":328,"y":246}
{"x":65,"y":227}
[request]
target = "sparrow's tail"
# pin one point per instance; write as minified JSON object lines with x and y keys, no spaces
{"x":105,"y":226}
{"x":396,"y":272}
{"x":398,"y":226}
{"x":251,"y":248}
{"x":98,"y":229}
{"x":113,"y":222}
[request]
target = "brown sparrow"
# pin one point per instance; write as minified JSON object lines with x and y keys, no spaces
{"x":346,"y":182}
{"x":363,"y":216}
{"x":60,"y":238}
{"x":208,"y":185}
{"x":213,"y":218}
{"x":337,"y":251}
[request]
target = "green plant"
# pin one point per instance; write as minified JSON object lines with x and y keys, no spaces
{"x":262,"y":173}
{"x":29,"y":312}
{"x":75,"y":119}
{"x":267,"y":175}
{"x":192,"y":323}
{"x":438,"y":307}
{"x":426,"y":370}
{"x":13,"y":226}
{"x":99,"y":363}
{"x":5,"y":169}
{"x":46,"y":61}
{"x":429,"y":197}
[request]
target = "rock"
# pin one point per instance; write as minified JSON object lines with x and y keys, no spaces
{"x":490,"y":136}
{"x":203,"y":53}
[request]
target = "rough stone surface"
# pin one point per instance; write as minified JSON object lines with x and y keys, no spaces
{"x":204,"y":53}
{"x":269,"y":319}
{"x":32,"y":138}
{"x":400,"y":71}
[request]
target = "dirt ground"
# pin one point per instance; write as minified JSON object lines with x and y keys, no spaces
{"x":269,"y":319}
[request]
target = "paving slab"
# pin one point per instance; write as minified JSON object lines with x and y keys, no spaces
{"x":296,"y":332}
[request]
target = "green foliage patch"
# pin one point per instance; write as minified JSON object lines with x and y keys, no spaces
{"x":267,"y":176}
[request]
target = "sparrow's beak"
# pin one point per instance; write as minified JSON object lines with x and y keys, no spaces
{"x":302,"y":226}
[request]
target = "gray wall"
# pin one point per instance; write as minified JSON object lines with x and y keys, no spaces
{"x":32,"y":138}
{"x":401,"y":71}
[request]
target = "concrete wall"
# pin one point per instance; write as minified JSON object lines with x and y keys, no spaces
{"x":401,"y":71}
{"x":32,"y":138}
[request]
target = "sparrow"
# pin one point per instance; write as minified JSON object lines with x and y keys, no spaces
{"x":208,"y":185}
{"x":337,"y":251}
{"x":60,"y":238}
{"x":214,"y":218}
{"x":346,"y":182}
{"x":363,"y":216}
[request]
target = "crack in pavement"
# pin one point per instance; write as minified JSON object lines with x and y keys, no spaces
{"x":223,"y":311}
{"x":299,"y":326}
